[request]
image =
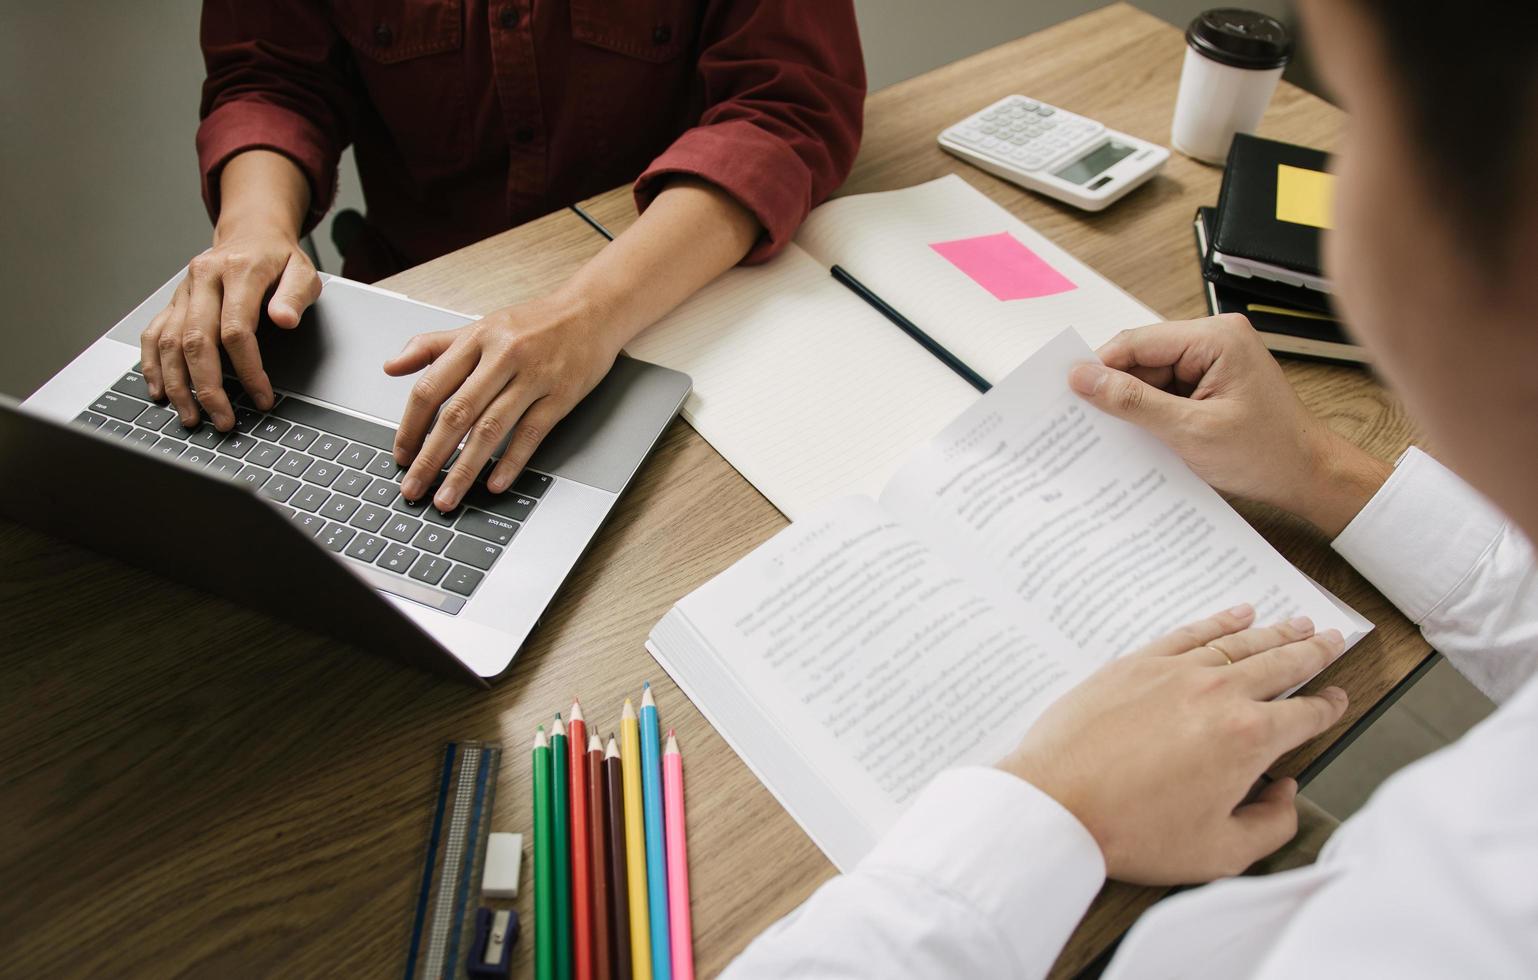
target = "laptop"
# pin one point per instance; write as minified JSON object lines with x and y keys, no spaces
{"x":298,"y":511}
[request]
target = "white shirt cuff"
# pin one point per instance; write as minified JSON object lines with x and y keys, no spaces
{"x":1420,"y":535}
{"x":1012,"y":852}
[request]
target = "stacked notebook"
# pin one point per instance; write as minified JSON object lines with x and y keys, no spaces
{"x":1259,"y":248}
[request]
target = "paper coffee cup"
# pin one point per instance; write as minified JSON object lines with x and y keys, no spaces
{"x":1233,"y":61}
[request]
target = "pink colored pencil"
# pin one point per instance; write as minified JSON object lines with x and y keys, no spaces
{"x":678,"y":861}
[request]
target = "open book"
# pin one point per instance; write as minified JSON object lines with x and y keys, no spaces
{"x":874,"y":642}
{"x":811,"y":394}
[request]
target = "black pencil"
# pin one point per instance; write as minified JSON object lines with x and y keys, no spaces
{"x":908,"y":327}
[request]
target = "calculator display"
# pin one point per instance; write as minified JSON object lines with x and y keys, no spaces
{"x":1094,"y":162}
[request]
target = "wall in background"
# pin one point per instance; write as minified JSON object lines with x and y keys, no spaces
{"x":99,"y":181}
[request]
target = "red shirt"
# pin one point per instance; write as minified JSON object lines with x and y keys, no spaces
{"x":472,"y":116}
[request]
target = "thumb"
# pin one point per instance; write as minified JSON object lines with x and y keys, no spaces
{"x":420,"y":351}
{"x":298,"y":287}
{"x":1120,"y":394}
{"x":1266,"y":823}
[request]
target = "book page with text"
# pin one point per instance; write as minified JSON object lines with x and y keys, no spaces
{"x":1091,"y":521}
{"x":805,"y":389}
{"x":980,"y":281}
{"x":873,"y":661}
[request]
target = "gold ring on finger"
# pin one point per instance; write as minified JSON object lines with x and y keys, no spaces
{"x":1219,"y":651}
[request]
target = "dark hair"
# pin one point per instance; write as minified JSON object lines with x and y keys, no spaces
{"x":1467,"y":74}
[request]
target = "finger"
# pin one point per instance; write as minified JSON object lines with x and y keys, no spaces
{"x":419,"y":352}
{"x":174,"y":381}
{"x":149,"y":353}
{"x":200,"y":347}
{"x":237,"y":333}
{"x":1269,"y":673}
{"x":1302,"y":717}
{"x":1259,"y":827}
{"x":298,"y":287}
{"x":460,"y":411}
{"x":1193,"y":635}
{"x":1186,"y":347}
{"x":530,"y":431}
{"x":447,"y":371}
{"x":486,"y":435}
{"x":1235,"y":647}
{"x":1126,"y":397}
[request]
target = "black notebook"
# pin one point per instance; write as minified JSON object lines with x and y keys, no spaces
{"x":1268,"y":218}
{"x":1285,"y":326}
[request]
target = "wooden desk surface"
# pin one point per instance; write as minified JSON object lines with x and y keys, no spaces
{"x":189,"y":787}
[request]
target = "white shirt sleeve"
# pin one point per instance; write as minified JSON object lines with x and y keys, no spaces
{"x":1456,"y":567}
{"x":983,"y":875}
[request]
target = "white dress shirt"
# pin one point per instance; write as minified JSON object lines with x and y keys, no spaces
{"x":986,"y":876}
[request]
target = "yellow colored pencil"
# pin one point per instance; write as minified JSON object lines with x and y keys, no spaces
{"x":635,"y":844}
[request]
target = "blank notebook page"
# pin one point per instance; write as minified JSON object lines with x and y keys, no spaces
{"x":804,"y":388}
{"x":967,"y":272}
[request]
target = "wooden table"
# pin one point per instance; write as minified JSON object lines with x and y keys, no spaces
{"x":189,"y":787}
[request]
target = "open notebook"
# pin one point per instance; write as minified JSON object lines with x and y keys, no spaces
{"x":810,"y":393}
{"x":874,"y":642}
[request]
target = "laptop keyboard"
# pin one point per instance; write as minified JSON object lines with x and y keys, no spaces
{"x":333,"y":475}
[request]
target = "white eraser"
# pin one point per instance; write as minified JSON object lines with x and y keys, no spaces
{"x":504,"y":861}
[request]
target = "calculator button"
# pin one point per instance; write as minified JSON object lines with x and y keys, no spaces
{"x":1028,"y":105}
{"x":1031,"y":163}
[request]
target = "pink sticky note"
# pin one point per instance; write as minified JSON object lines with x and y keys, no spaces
{"x":1003,"y":266}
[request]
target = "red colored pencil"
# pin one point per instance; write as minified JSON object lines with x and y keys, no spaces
{"x":599,"y":859}
{"x":581,"y":873}
{"x":619,"y":870}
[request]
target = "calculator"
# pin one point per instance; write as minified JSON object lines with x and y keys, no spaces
{"x":1054,"y":152}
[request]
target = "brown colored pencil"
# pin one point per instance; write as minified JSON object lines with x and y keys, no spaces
{"x":619,"y":892}
{"x":598,"y":859}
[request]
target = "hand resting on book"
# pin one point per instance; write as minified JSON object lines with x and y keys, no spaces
{"x":1179,"y":714}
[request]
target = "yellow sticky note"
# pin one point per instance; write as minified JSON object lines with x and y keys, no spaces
{"x":1304,"y":197}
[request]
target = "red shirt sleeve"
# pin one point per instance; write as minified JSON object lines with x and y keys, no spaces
{"x":275,"y":82}
{"x":784,"y":87}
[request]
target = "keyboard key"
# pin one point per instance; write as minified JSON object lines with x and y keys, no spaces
{"x":206,"y":436}
{"x":429,"y":569}
{"x":280,"y":488}
{"x":462,"y":580}
{"x":322,"y":472}
{"x":336,"y":536}
{"x":270,"y":429}
{"x":432,"y":539}
{"x":352,"y":483}
{"x":293,"y":464}
{"x":244,"y":400}
{"x":310,"y":498}
{"x":366,"y":547}
{"x":155,"y":417}
{"x":412,"y":506}
{"x":116,"y":428}
{"x":287,"y":512}
{"x":531,"y":484}
{"x":441,"y":519}
{"x":514,"y":506}
{"x":298,"y":437}
{"x":226,"y":466}
{"x":397,"y":558}
{"x":370,"y":518}
{"x":134,"y":386}
{"x":401,"y":527}
{"x":247,"y":419}
{"x":253,"y":476}
{"x":327,"y":446}
{"x":385,"y":465}
{"x":175,"y":430}
{"x":339,"y":508}
{"x":310,"y":522}
{"x":196,"y":455}
{"x":487,"y":527}
{"x":90,"y":420}
{"x":143,"y":437}
{"x":118,"y":406}
{"x":472,"y":552}
{"x":236,"y":445}
{"x":381,"y":492}
{"x":339,"y":423}
{"x":170,"y":447}
{"x":357,"y":456}
{"x":265,"y":454}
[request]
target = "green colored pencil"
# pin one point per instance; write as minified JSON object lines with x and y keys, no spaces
{"x":560,"y":832}
{"x":544,"y":914}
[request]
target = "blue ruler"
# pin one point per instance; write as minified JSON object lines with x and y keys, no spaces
{"x":444,"y":921}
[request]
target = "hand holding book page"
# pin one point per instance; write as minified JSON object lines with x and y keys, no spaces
{"x":1030,"y":542}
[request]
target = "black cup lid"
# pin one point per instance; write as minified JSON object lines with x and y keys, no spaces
{"x":1241,"y":38}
